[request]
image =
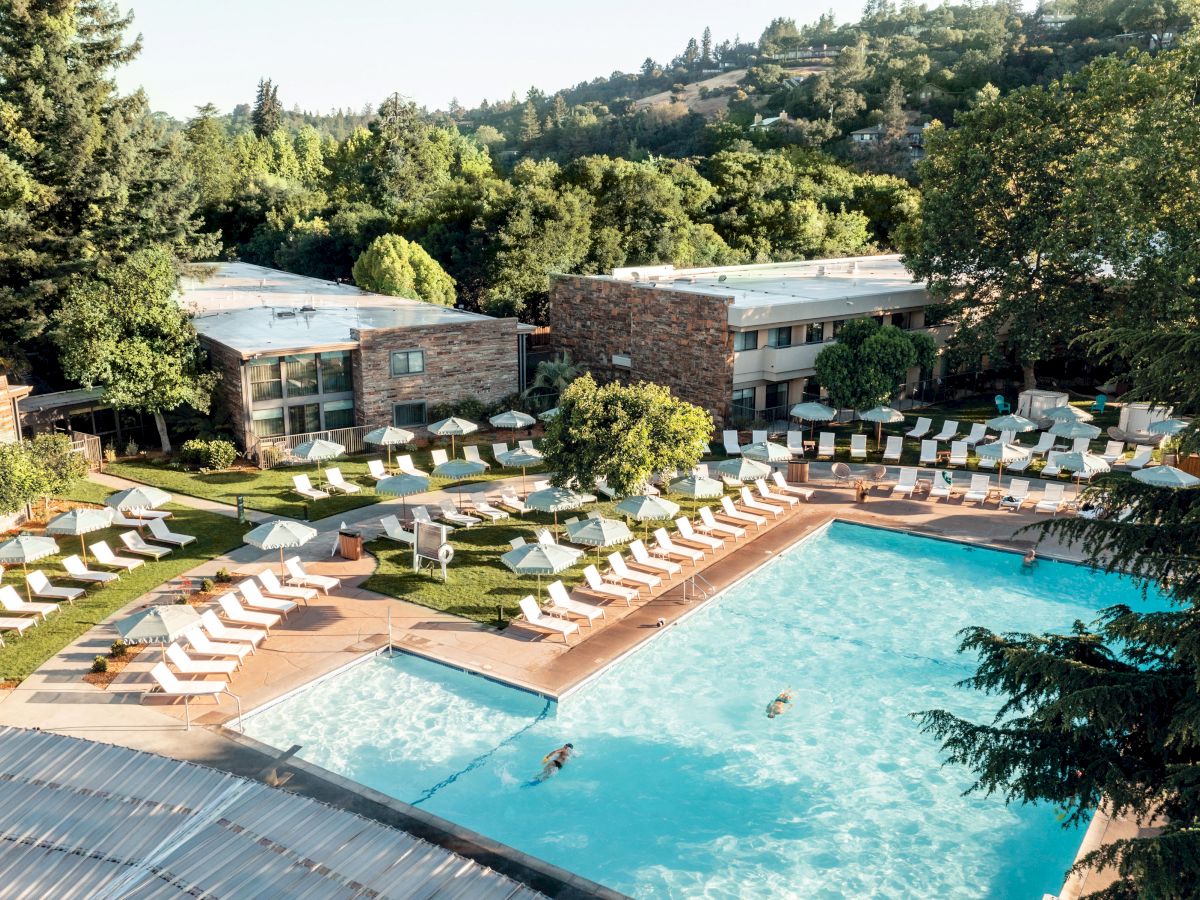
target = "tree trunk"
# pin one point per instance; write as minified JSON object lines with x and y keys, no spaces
{"x":162,"y":431}
{"x":1030,"y":378}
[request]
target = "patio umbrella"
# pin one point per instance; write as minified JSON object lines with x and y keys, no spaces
{"x":539,"y":560}
{"x":1074,"y":429}
{"x":1082,"y":463}
{"x":697,"y":487}
{"x":1067,"y":413}
{"x":141,"y":497}
{"x":554,"y":500}
{"x":402,"y":486}
{"x":317,"y":451}
{"x":813,"y":412}
{"x":27,"y":548}
{"x":549,"y":414}
{"x":881,"y":415}
{"x":1011,"y":422}
{"x":766,"y":451}
{"x":599,"y":533}
{"x":1001,"y":452}
{"x":741,"y":469}
{"x":452,"y":427}
{"x":1168,"y":426}
{"x":81,"y":521}
{"x":280,"y":535}
{"x":389,"y":436}
{"x":158,"y":625}
{"x":512,"y":419}
{"x":520,"y":458}
{"x":458,"y":469}
{"x":642,"y":508}
{"x":1166,"y":476}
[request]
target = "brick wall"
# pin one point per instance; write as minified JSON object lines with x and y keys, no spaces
{"x":228,"y":393}
{"x":675,"y":338}
{"x":472,"y":359}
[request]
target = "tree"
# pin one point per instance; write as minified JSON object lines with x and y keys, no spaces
{"x":22,"y":480}
{"x":553,"y":376}
{"x":267,"y":116}
{"x":531,"y":129}
{"x":622,"y":433}
{"x":691,"y":53}
{"x":392,"y":265}
{"x":706,"y":46}
{"x":61,"y":467}
{"x":121,"y":330}
{"x":868,"y":361}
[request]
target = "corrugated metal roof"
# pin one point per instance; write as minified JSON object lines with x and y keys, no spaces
{"x":83,"y":819}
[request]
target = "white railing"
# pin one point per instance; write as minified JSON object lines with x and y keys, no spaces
{"x":270,"y":452}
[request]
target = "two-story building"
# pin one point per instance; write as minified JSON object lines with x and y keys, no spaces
{"x":739,"y":341}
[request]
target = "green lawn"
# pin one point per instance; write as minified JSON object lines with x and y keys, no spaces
{"x":20,"y":656}
{"x":271,"y":491}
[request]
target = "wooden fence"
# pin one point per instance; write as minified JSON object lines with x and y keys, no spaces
{"x":270,"y":452}
{"x":89,"y":445}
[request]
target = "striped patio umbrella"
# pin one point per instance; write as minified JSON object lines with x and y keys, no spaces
{"x":599,"y":532}
{"x":643,"y":508}
{"x":697,"y":487}
{"x":389,"y":436}
{"x":554,"y":500}
{"x":1011,"y":422}
{"x":1001,"y":452}
{"x":539,"y":560}
{"x":1067,"y":413}
{"x":1083,"y":464}
{"x":141,"y":497}
{"x":27,"y":548}
{"x":1074,"y":429}
{"x":452,"y":428}
{"x":520,"y":458}
{"x":317,"y":451}
{"x":280,"y":535}
{"x":512,"y":420}
{"x":813,"y":412}
{"x":402,"y":486}
{"x":767,"y":451}
{"x":1168,"y":426}
{"x":158,"y":625}
{"x":881,"y":415}
{"x":81,"y":521}
{"x":1166,"y":476}
{"x":741,"y":469}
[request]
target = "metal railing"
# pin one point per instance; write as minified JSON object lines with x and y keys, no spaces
{"x":269,"y":452}
{"x":691,"y":589}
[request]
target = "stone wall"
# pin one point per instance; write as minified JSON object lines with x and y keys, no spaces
{"x":476,"y":359}
{"x":228,"y":392}
{"x":675,"y":338}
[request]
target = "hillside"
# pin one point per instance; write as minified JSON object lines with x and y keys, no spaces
{"x":711,"y":96}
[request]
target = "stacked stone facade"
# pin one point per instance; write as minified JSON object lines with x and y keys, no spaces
{"x":228,"y":393}
{"x":674,"y":338}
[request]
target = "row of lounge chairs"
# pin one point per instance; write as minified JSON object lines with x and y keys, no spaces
{"x":1052,"y":500}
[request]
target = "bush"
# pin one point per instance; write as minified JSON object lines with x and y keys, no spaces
{"x":221,"y":454}
{"x":215,"y":454}
{"x":207,"y":586}
{"x":193,"y":452}
{"x":223,"y":576}
{"x":118,"y":649}
{"x":99,"y":664}
{"x":110,"y":453}
{"x":131,"y":448}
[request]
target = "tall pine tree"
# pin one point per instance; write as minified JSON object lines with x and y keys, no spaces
{"x":267,"y":115}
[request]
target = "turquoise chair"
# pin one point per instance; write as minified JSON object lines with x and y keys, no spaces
{"x":1002,"y":405}
{"x":1098,"y":403}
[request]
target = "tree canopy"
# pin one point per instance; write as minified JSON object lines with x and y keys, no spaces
{"x":392,"y":265}
{"x":868,"y":361}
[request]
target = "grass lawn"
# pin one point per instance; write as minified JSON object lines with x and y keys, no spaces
{"x":20,"y":656}
{"x":271,"y":491}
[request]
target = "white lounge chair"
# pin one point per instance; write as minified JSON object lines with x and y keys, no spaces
{"x":1139,"y":460}
{"x":689,"y":535}
{"x":302,"y":486}
{"x":921,"y":428}
{"x":438,"y":457}
{"x":105,"y":557}
{"x":858,"y":446}
{"x":170,"y":686}
{"x":826,"y":447}
{"x":1081,"y":445}
{"x":781,"y":483}
{"x":471,"y":454}
{"x":255,"y":599}
{"x":978,"y":433}
{"x":513,"y":502}
{"x":1113,"y":451}
{"x":404,"y":464}
{"x":376,"y":470}
{"x":486,"y":509}
{"x":135,"y":544}
{"x":563,"y":603}
{"x":451,"y":514}
{"x":949,"y":431}
{"x":642,"y":557}
{"x":620,"y":572}
{"x":219,"y":631}
{"x":527,"y":445}
{"x":201,"y":643}
{"x":958,"y":453}
{"x":143,"y":513}
{"x":421,"y":515}
{"x":664,"y":545}
{"x":120,"y":520}
{"x":979,"y":489}
{"x":942,"y":487}
{"x":598,"y":585}
{"x":893,"y":449}
{"x":729,"y":511}
{"x":297,"y":576}
{"x":1043,"y":446}
{"x":770,"y":496}
{"x":239,"y":615}
{"x":710,"y":525}
{"x":12,"y":623}
{"x":758,"y":437}
{"x":730,"y":439}
{"x":498,"y":450}
{"x":1020,"y":465}
{"x":272,"y":587}
{"x":337,"y":483}
{"x":1052,"y":468}
{"x":12,"y":602}
{"x":749,"y":501}
{"x":40,"y":586}
{"x":160,"y":532}
{"x":534,"y":616}
{"x":1016,"y":495}
{"x":986,"y":463}
{"x":907,"y":482}
{"x":394,"y":531}
{"x":795,"y":442}
{"x":185,"y":665}
{"x":80,"y":572}
{"x":928,"y":452}
{"x":1052,"y":499}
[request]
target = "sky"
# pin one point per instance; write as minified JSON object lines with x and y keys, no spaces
{"x":345,"y":53}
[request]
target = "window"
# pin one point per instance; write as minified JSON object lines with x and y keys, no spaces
{"x":267,"y":422}
{"x":338,"y":413}
{"x":404,"y":414}
{"x":838,"y":325}
{"x":301,"y":375}
{"x":265,"y":383}
{"x":336,"y":374}
{"x":777,"y":396}
{"x":743,"y":403}
{"x":745,"y":340}
{"x":900,"y":320}
{"x":816,"y":333}
{"x":780,"y":337}
{"x":304,"y":418}
{"x":408,"y":362}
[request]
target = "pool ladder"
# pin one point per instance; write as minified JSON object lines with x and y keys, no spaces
{"x":693,"y":591}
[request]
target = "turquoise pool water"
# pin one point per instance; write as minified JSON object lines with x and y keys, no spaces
{"x":682,"y":787}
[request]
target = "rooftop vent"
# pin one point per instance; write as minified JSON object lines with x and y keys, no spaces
{"x":285,"y":314}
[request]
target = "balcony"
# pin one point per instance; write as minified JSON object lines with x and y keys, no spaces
{"x":776,"y":363}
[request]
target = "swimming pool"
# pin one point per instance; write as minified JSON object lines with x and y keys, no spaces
{"x":682,"y":787}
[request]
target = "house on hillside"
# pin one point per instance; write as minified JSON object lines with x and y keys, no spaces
{"x":914,"y":135}
{"x":804,"y":54}
{"x":778,"y":121}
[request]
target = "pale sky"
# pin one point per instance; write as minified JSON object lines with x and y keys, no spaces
{"x":330,"y":53}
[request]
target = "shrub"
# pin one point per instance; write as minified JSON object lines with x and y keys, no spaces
{"x":223,"y":576}
{"x":221,"y":454}
{"x":470,"y":408}
{"x":207,"y":586}
{"x":193,"y":452}
{"x":131,"y":448}
{"x":110,"y":453}
{"x":99,"y":664}
{"x":118,"y":649}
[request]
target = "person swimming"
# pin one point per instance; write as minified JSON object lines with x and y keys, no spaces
{"x":555,"y":760}
{"x":780,"y":704}
{"x":1030,"y":558}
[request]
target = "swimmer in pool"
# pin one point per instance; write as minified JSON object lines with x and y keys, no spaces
{"x":1030,"y":558}
{"x":555,"y":760}
{"x":780,"y":704}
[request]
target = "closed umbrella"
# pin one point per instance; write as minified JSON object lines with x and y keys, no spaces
{"x":280,"y":535}
{"x":1074,"y":429}
{"x":697,"y":487}
{"x":599,"y":532}
{"x":549,"y":414}
{"x":539,"y":560}
{"x":452,"y":428}
{"x":1001,"y":452}
{"x":158,"y":625}
{"x":141,"y":497}
{"x":1067,"y":413}
{"x":27,"y":548}
{"x":643,"y":508}
{"x":1011,"y":422}
{"x":1168,"y":426}
{"x":389,"y":436}
{"x":402,"y":486}
{"x":520,"y":458}
{"x":317,"y":451}
{"x":813,"y":412}
{"x":741,"y":469}
{"x":1166,"y":476}
{"x":881,"y":415}
{"x":1082,"y":463}
{"x":512,"y":419}
{"x":81,"y":521}
{"x":767,"y":451}
{"x":554,"y":500}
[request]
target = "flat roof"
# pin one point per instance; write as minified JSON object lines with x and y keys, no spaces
{"x":252,"y":309}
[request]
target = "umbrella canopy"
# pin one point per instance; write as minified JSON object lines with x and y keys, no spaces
{"x":81,"y":521}
{"x":1011,"y":422}
{"x":599,"y":532}
{"x":885,"y":415}
{"x":27,"y":548}
{"x":1074,"y":429}
{"x":452,"y":427}
{"x":766,"y":451}
{"x":1001,"y":452}
{"x":1168,"y":426}
{"x":520,"y":458}
{"x":549,"y":414}
{"x":1166,"y":476}
{"x":1067,"y":413}
{"x":539,"y":560}
{"x":458,"y":468}
{"x":698,"y":487}
{"x":1084,"y":463}
{"x":389,"y":436}
{"x":554,"y":500}
{"x":647,"y":509}
{"x":315,"y":451}
{"x":280,"y":535}
{"x":512,"y":419}
{"x":813,"y":411}
{"x":141,"y":497}
{"x":402,"y":485}
{"x":158,"y":624}
{"x":741,"y":469}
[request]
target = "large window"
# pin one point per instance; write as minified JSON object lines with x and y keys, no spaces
{"x":816,"y":333}
{"x":265,"y":383}
{"x":745,"y":340}
{"x":336,"y":375}
{"x":837,"y":326}
{"x":408,"y":362}
{"x":305,"y":418}
{"x":777,"y":396}
{"x":900,"y":319}
{"x":779,"y":337}
{"x":338,"y":413}
{"x":267,"y":422}
{"x":405,"y":414}
{"x":301,"y":375}
{"x":743,"y":403}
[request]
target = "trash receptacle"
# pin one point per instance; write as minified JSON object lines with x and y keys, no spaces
{"x":350,"y":544}
{"x":798,"y":471}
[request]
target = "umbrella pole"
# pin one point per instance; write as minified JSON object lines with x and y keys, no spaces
{"x":83,"y":549}
{"x":878,"y":434}
{"x":282,"y":571}
{"x":28,"y":595}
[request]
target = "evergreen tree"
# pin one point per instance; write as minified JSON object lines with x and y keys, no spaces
{"x":706,"y":46}
{"x":691,"y":53}
{"x":531,"y":129}
{"x":267,"y":116}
